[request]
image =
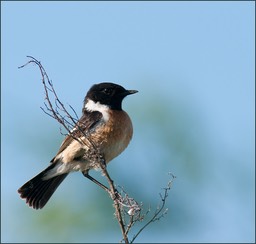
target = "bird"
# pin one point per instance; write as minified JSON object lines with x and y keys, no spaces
{"x":103,"y":125}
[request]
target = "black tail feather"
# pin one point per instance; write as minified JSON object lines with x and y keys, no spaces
{"x":37,"y":191}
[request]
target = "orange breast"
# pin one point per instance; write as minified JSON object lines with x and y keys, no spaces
{"x":115,"y":135}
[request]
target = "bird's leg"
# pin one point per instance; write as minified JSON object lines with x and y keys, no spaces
{"x":96,"y":182}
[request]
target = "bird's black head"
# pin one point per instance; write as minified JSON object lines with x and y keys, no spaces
{"x":109,"y":94}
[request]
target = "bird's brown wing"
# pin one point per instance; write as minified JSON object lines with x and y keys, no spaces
{"x":86,"y":124}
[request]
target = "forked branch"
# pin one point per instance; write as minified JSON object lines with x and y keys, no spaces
{"x":127,"y":210}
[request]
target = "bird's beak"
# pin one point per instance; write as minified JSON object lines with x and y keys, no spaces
{"x":129,"y":92}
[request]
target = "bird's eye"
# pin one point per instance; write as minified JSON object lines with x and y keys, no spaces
{"x":107,"y":91}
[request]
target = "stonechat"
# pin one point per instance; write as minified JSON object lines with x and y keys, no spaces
{"x":103,"y":124}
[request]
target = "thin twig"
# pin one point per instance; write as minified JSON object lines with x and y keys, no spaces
{"x":73,"y":123}
{"x":72,"y":126}
{"x":157,"y":215}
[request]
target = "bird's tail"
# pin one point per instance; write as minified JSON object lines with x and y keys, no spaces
{"x":38,"y":190}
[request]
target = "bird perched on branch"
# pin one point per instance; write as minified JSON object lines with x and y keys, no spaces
{"x":103,"y":126}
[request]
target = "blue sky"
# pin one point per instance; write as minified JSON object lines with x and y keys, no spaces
{"x":194,"y":66}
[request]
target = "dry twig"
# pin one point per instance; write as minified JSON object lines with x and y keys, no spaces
{"x":127,"y":210}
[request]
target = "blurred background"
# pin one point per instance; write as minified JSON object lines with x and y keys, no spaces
{"x":194,"y":116}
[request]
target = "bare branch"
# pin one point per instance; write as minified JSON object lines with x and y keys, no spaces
{"x":127,"y":210}
{"x":160,"y":212}
{"x":69,"y":123}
